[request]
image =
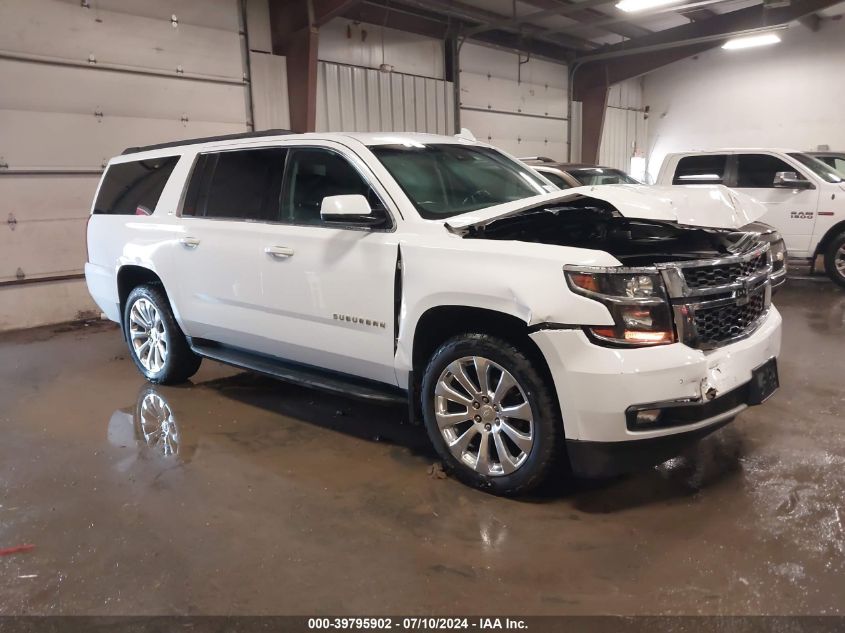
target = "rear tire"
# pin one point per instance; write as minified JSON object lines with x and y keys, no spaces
{"x":156,"y":343}
{"x":491,"y":415}
{"x":834,"y":259}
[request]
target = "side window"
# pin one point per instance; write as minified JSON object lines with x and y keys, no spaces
{"x":237,"y":185}
{"x":556,"y":179}
{"x":701,"y":170}
{"x":134,"y":188}
{"x":757,"y":171}
{"x":314,"y":174}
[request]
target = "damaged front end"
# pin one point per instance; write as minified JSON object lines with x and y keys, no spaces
{"x":704,"y":287}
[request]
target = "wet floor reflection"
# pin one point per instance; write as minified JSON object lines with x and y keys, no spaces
{"x":150,"y":427}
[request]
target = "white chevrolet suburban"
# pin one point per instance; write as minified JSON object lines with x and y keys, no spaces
{"x":804,"y":197}
{"x":597,"y":328}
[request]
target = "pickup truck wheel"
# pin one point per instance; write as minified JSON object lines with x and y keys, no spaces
{"x":490,"y":415}
{"x":834,"y":259}
{"x":156,"y":342}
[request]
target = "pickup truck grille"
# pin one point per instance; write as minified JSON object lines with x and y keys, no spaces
{"x":720,"y":301}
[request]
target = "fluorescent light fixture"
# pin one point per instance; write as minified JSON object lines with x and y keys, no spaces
{"x":750,"y":41}
{"x":641,"y":5}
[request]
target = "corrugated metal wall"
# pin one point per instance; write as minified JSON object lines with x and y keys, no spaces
{"x":625,"y":126}
{"x":515,"y":103}
{"x":356,"y":99}
{"x":80,"y":82}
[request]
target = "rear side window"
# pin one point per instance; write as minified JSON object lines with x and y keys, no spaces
{"x":701,"y":170}
{"x":757,"y":171}
{"x":134,"y":188}
{"x":237,"y":185}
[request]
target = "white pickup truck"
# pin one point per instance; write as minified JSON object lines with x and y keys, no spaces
{"x":601,"y":328}
{"x":804,"y":197}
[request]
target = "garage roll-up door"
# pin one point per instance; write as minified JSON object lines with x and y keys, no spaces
{"x":514,"y":102}
{"x":82,"y":81}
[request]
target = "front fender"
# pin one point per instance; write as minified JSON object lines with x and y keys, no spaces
{"x":518,"y":279}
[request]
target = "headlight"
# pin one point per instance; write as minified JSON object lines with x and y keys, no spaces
{"x":637,"y":302}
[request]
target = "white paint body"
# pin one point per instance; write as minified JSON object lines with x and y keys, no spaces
{"x":802,"y":216}
{"x":227,"y":288}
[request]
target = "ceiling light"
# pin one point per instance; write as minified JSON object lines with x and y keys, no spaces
{"x":641,"y":5}
{"x":751,"y":41}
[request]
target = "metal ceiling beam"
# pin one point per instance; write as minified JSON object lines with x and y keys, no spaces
{"x":592,"y":74}
{"x":722,"y":25}
{"x":399,"y":18}
{"x":619,"y":18}
{"x":325,"y":10}
{"x":471,"y":16}
{"x":440,"y":27}
{"x":588,"y":15}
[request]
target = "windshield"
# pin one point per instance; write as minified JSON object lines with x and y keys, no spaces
{"x":822,"y":170}
{"x":602,"y":176}
{"x":444,"y":180}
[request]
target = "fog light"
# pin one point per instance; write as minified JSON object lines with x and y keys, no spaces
{"x":647,"y":417}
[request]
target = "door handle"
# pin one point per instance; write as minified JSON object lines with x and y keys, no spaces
{"x":189,"y":242}
{"x":279,"y":252}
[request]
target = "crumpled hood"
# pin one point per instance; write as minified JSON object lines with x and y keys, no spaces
{"x":713,"y":206}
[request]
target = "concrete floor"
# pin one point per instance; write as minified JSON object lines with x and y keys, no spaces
{"x":276,"y":499}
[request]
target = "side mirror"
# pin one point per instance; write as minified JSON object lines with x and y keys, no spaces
{"x":348,"y":209}
{"x":790,"y":180}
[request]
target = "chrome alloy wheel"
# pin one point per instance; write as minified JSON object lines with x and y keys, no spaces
{"x":484,"y":416}
{"x":147,"y":335}
{"x":157,"y":425}
{"x":839,"y":260}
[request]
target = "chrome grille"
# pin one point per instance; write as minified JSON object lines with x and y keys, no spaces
{"x":710,"y":276}
{"x":718,"y":325}
{"x":720,"y":301}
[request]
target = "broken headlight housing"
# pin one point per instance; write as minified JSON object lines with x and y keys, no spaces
{"x":636,"y":299}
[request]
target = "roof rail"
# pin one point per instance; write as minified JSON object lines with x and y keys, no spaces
{"x":207,"y":139}
{"x":544,"y":159}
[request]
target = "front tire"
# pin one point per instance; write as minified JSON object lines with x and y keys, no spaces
{"x":491,"y":415}
{"x":834,"y":259}
{"x":157,"y":345}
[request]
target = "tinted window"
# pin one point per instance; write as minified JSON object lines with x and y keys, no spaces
{"x":314,"y":174}
{"x":820,"y":168}
{"x":700,"y":170}
{"x":134,"y":188}
{"x":757,"y":171}
{"x":602,"y":176}
{"x":240,"y":185}
{"x":448,"y":179}
{"x":834,"y":161}
{"x":556,"y":179}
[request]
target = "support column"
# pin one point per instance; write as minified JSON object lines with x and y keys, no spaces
{"x":294,"y":32}
{"x":593,"y":108}
{"x":302,"y":80}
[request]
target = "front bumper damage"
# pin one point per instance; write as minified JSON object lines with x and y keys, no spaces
{"x":598,"y":387}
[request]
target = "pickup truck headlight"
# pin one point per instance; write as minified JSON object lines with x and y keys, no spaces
{"x":637,"y":301}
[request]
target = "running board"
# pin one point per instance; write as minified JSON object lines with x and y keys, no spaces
{"x":305,"y":375}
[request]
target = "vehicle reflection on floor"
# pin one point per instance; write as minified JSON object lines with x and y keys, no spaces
{"x":150,"y":427}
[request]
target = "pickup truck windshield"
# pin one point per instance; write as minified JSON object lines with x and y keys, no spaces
{"x":444,"y":180}
{"x":822,"y":170}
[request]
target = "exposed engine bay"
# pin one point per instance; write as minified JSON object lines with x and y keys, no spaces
{"x":595,"y":224}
